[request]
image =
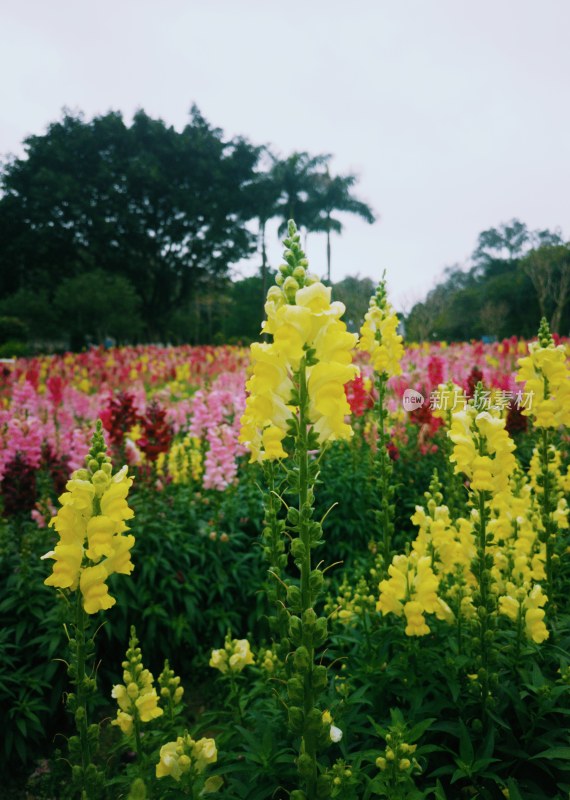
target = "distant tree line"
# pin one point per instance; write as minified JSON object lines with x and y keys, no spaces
{"x":516,"y":277}
{"x":130,"y":231}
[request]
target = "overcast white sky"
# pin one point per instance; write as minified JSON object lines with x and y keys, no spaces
{"x":455,"y":114}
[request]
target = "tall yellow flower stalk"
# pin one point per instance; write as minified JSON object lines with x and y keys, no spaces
{"x":483,"y":452}
{"x":309,"y":341}
{"x":546,"y":374}
{"x":380,"y":339}
{"x":93,"y":544}
{"x":296,"y":404}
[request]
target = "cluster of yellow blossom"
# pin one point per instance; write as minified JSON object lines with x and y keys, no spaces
{"x":91,"y":526}
{"x":187,"y":755}
{"x":308,"y":335}
{"x":379,"y":337}
{"x":185,"y":461}
{"x":520,"y":603}
{"x":136,"y":698}
{"x":483,"y":450}
{"x":233,"y":657}
{"x":411,"y":590}
{"x":547,"y":380}
{"x":448,"y":544}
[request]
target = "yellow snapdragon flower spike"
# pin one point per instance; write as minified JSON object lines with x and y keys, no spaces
{"x":186,"y":755}
{"x":137,"y":698}
{"x":547,"y":381}
{"x":185,"y":461}
{"x":307,"y":330}
{"x":483,"y":450}
{"x":559,"y":483}
{"x":379,"y":336}
{"x":93,"y":543}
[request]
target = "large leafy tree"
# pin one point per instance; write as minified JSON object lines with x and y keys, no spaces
{"x":160,"y":207}
{"x":548,"y":267}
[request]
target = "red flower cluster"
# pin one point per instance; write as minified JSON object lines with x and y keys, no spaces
{"x":119,"y":417}
{"x":157,"y":432}
{"x":358,"y":398}
{"x":474,"y":377}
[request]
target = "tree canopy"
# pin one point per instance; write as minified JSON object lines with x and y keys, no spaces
{"x":164,"y":211}
{"x":516,"y":277}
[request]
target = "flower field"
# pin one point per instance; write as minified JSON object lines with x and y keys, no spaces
{"x":344,"y":591}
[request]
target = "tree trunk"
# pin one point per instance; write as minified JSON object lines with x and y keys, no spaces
{"x":561,"y":297}
{"x":263,"y":265}
{"x":328,"y":248}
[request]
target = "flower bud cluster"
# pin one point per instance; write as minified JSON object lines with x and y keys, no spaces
{"x":137,"y":698}
{"x":233,"y":657}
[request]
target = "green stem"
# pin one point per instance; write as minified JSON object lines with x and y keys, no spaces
{"x":519,"y":636}
{"x":138,"y":742}
{"x":367,"y":634}
{"x":459,"y":630}
{"x":384,"y":471}
{"x":309,"y":744}
{"x":80,"y":691}
{"x":547,"y":512}
{"x":235,"y":695}
{"x":483,"y":588}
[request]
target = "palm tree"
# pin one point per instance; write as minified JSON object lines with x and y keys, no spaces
{"x":296,"y":177}
{"x":261,"y":199}
{"x":331,"y":194}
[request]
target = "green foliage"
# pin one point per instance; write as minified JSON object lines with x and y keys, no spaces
{"x":197,"y":574}
{"x":97,"y":305}
{"x":355,"y":293}
{"x":12,"y":329}
{"x":31,"y":680}
{"x":516,"y":277}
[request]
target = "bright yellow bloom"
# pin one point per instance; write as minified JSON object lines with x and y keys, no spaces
{"x":483,"y":450}
{"x":547,"y":381}
{"x":528,"y":605}
{"x":379,"y":337}
{"x":411,"y":590}
{"x":185,"y":755}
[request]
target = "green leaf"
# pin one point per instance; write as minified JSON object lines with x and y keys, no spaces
{"x":554,"y":752}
